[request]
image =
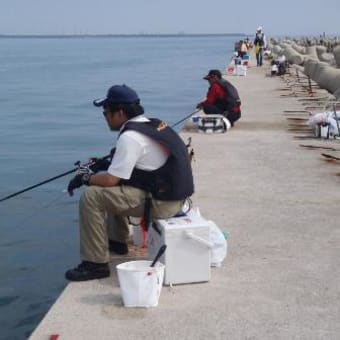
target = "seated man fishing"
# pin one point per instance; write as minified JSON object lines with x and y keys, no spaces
{"x":222,"y":98}
{"x":150,"y":170}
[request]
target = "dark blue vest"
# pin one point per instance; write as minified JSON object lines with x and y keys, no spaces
{"x":174,"y":180}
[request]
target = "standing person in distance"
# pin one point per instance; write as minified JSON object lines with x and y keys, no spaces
{"x":150,"y":162}
{"x":260,"y":44}
{"x":244,"y":48}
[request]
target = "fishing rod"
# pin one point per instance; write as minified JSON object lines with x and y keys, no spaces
{"x":185,"y":118}
{"x":73,"y":170}
{"x":51,"y":179}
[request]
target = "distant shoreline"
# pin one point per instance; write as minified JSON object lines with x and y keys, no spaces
{"x":184,"y":35}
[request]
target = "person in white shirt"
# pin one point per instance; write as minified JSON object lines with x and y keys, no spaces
{"x":150,"y":164}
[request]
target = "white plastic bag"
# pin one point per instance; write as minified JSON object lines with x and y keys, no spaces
{"x":318,"y":119}
{"x":219,"y":250}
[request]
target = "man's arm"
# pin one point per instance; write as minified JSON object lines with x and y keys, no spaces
{"x":128,"y":151}
{"x":215,"y":92}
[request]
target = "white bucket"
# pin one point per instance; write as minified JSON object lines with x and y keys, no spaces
{"x":139,"y":283}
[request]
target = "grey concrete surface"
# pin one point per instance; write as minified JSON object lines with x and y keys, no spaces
{"x":280,"y":279}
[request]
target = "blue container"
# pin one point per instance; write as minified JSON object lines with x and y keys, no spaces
{"x":195,"y":119}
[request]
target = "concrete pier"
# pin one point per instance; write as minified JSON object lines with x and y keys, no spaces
{"x":281,"y":204}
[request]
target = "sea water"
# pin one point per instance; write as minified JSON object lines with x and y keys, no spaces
{"x":48,"y":123}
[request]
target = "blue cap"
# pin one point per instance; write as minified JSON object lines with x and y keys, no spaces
{"x":118,"y":94}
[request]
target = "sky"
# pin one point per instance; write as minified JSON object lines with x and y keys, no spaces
{"x":285,"y":17}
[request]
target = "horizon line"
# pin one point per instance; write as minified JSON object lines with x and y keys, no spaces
{"x":103,"y":35}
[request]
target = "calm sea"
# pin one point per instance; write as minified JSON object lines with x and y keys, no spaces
{"x":48,"y":122}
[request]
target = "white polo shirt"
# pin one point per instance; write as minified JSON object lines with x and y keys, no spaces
{"x":134,"y":149}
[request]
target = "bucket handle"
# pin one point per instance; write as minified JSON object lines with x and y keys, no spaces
{"x":198,"y":239}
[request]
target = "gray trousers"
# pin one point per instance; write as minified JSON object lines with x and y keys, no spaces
{"x":103,"y":215}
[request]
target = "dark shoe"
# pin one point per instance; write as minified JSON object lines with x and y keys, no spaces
{"x":88,"y":271}
{"x":118,"y":247}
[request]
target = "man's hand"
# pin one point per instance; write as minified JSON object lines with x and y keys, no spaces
{"x":101,"y":164}
{"x":74,"y":183}
{"x":82,"y":177}
{"x":98,"y":164}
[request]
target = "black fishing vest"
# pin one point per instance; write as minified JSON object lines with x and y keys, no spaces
{"x":173,"y":181}
{"x":233,"y":98}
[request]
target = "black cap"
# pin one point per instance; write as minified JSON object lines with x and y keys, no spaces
{"x":118,"y":94}
{"x":213,"y":73}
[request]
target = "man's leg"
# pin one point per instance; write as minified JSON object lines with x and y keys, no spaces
{"x":118,"y":228}
{"x":212,"y":110}
{"x":233,"y":117}
{"x":93,"y":238}
{"x":95,"y":205}
{"x":165,"y":209}
{"x":118,"y":232}
{"x":261,"y":57}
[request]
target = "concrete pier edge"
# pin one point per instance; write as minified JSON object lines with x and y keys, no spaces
{"x":280,"y":203}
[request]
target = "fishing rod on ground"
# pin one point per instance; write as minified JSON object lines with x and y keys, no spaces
{"x":75,"y":169}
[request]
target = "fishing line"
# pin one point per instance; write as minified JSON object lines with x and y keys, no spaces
{"x":38,"y":211}
{"x":185,"y":118}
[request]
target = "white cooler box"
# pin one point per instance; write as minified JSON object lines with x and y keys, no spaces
{"x":241,"y":70}
{"x":213,"y":124}
{"x":187,"y":257}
